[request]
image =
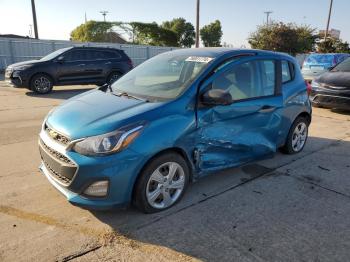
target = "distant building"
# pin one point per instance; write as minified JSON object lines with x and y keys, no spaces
{"x":334,"y":33}
{"x":14,"y":36}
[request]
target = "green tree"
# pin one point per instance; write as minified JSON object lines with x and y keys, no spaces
{"x":288,"y":38}
{"x":211,"y":34}
{"x":152,"y":34}
{"x":331,"y":45}
{"x":92,"y":31}
{"x":184,"y":31}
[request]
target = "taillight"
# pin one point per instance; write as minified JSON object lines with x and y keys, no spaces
{"x":308,"y":87}
{"x":130,"y":63}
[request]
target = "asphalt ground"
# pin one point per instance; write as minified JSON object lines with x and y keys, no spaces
{"x":288,"y":208}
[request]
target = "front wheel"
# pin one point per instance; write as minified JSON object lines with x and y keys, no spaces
{"x":41,"y":84}
{"x":297,"y":136}
{"x":162,"y":183}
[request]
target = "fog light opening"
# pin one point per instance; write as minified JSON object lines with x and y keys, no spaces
{"x":97,"y":189}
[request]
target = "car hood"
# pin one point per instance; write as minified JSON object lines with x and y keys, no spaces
{"x":30,"y":62}
{"x":336,"y":79}
{"x":97,"y":112}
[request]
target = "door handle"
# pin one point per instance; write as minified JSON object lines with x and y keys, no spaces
{"x":81,"y":65}
{"x":108,"y":63}
{"x":267,"y":109}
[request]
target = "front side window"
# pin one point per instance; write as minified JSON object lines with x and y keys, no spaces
{"x":75,"y":55}
{"x":162,"y":77}
{"x":248,"y":80}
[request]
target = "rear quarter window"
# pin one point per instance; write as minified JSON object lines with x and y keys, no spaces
{"x":288,"y":71}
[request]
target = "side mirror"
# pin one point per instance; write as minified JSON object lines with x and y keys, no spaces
{"x":217,"y":97}
{"x":60,"y":59}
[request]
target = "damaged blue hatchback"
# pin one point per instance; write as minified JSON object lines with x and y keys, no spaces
{"x":176,"y":117}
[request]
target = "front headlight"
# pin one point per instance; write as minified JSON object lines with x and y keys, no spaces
{"x":23,"y":67}
{"x":108,"y":143}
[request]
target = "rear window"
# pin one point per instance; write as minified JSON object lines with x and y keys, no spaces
{"x":319,"y":59}
{"x":100,"y":54}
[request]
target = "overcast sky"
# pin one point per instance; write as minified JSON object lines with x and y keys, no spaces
{"x":57,"y":18}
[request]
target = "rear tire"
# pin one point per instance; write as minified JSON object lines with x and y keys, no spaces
{"x":297,"y":136}
{"x":41,"y":84}
{"x":114,"y":76}
{"x":162,"y":183}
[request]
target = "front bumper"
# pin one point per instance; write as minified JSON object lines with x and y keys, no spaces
{"x":16,"y":78}
{"x":119,"y":169}
{"x":331,"y":98}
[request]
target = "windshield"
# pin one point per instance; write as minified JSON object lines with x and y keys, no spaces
{"x":162,"y":77}
{"x":343,"y":66}
{"x":54,"y":54}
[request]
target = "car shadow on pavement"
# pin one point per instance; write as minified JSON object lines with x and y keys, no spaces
{"x":60,"y":94}
{"x":247,"y":213}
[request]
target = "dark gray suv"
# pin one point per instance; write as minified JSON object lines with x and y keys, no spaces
{"x":70,"y":66}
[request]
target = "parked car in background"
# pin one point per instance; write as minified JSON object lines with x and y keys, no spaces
{"x":173,"y":119}
{"x":70,"y":66}
{"x":316,"y":64}
{"x":332,"y":89}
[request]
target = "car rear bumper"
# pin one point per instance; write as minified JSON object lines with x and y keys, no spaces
{"x":331,"y":98}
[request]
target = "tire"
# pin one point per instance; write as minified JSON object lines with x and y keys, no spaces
{"x":41,"y":84}
{"x":292,"y":146}
{"x":153,"y":195}
{"x":114,"y":76}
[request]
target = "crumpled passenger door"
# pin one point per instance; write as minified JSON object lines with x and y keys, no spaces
{"x":247,"y":129}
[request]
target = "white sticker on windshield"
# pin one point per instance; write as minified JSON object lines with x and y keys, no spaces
{"x":199,"y":59}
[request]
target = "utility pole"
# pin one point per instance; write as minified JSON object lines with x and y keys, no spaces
{"x":104,"y":13}
{"x":267,"y":16}
{"x":34,"y":20}
{"x":197,"y":24}
{"x":328,"y":21}
{"x":85,"y":18}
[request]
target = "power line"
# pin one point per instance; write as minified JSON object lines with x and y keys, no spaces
{"x":104,"y":13}
{"x":267,"y":16}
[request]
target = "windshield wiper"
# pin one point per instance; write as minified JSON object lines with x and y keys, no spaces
{"x":129,"y":96}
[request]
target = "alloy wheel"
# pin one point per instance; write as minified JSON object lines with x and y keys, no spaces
{"x":299,"y":136}
{"x":165,"y":185}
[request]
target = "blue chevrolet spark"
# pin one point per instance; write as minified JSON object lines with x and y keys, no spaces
{"x":176,"y":117}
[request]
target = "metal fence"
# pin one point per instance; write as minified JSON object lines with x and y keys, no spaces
{"x":13,"y":50}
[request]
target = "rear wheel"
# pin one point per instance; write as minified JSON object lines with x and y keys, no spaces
{"x":41,"y":84}
{"x":162,"y":183}
{"x":297,"y":136}
{"x":114,"y":76}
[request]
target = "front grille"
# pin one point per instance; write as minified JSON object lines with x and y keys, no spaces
{"x":57,"y":155}
{"x":59,"y":166}
{"x":56,"y":136}
{"x":61,"y":178}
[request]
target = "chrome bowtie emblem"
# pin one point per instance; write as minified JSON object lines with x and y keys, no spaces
{"x":53,"y":134}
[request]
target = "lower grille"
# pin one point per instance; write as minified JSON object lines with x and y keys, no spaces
{"x":59,"y":166}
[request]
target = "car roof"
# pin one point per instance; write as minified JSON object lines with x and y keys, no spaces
{"x":96,"y":47}
{"x":220,"y":51}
